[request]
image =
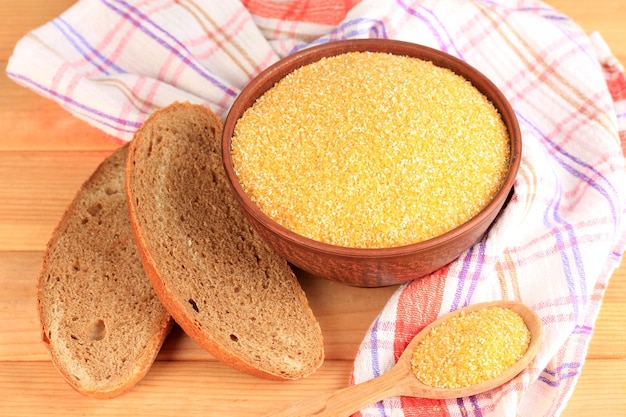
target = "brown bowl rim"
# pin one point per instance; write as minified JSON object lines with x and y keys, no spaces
{"x":288,"y":64}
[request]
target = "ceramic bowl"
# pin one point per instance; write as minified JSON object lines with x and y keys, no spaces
{"x":359,"y":266}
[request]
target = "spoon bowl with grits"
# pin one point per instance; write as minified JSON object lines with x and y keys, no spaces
{"x":402,"y":379}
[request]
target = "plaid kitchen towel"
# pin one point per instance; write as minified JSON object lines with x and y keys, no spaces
{"x":554,"y":247}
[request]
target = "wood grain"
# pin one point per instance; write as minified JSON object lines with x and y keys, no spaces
{"x":208,"y":388}
{"x":45,"y":154}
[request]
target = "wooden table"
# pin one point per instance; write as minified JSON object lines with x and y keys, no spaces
{"x":45,"y":154}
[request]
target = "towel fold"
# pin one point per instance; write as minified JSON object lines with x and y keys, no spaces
{"x":554,"y":247}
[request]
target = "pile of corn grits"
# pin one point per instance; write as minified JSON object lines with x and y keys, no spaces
{"x":471,"y":348}
{"x":371,"y":150}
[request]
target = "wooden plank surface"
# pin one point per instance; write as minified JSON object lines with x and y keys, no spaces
{"x":45,"y":154}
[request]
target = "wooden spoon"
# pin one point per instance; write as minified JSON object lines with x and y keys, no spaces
{"x":400,"y":380}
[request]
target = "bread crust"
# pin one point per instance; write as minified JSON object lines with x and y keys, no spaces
{"x":214,"y":288}
{"x":90,"y":248}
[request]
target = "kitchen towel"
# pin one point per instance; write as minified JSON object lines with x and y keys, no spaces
{"x":554,"y":247}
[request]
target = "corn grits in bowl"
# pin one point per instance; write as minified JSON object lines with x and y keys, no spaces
{"x":371,"y":162}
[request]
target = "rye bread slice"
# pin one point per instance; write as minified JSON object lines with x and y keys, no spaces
{"x":101,"y":319}
{"x":226,"y":288}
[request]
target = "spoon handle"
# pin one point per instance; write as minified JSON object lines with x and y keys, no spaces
{"x":347,"y":401}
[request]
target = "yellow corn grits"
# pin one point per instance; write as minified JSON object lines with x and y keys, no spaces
{"x":371,"y":150}
{"x":471,"y":348}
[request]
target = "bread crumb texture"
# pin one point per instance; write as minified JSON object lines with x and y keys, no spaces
{"x":100,"y":316}
{"x":232,"y":293}
{"x":471,"y":348}
{"x":371,"y":150}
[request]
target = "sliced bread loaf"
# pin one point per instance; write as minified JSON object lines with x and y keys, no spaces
{"x":224,"y":286}
{"x":100,"y":317}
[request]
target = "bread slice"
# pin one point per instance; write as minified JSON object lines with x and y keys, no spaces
{"x":100,"y":317}
{"x":224,"y":286}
